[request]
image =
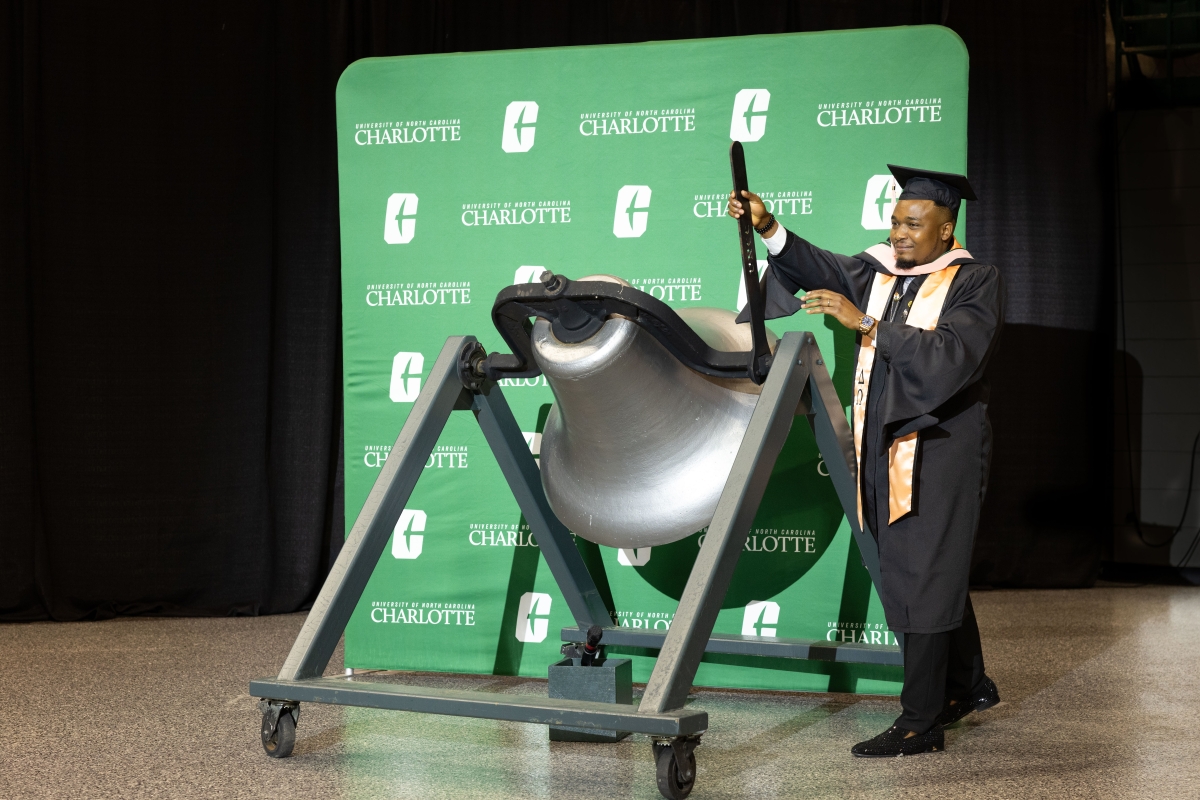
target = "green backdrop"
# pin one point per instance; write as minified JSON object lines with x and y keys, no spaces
{"x":461,"y":174}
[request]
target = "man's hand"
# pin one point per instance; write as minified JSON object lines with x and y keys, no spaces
{"x":758,"y":209}
{"x":823,"y":301}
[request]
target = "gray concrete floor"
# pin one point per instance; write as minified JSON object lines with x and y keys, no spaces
{"x":1098,"y":687}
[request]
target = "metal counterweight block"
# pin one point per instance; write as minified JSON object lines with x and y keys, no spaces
{"x":608,"y":681}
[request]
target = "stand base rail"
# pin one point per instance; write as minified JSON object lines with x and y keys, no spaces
{"x":485,"y":705}
{"x":770,"y":646}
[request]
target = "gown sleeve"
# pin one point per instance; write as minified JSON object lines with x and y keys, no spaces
{"x":802,"y":266}
{"x":926,"y":369}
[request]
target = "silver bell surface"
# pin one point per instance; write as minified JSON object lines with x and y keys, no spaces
{"x":637,"y":447}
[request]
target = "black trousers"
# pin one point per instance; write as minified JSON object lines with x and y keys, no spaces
{"x":939,"y":667}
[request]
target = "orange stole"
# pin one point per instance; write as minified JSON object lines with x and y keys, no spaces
{"x":902,"y":455}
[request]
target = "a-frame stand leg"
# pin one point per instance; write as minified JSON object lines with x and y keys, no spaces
{"x":708,"y":583}
{"x":443,"y":393}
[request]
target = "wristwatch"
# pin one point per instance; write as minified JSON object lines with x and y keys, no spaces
{"x":866,"y":324}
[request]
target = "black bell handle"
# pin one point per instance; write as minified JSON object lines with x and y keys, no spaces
{"x":760,"y":352}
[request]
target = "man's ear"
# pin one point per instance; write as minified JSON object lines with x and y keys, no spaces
{"x":948,"y":230}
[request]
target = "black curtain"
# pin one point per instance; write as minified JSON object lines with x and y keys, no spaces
{"x":170,"y":370}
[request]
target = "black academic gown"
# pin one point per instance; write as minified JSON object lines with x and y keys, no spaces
{"x":926,"y":381}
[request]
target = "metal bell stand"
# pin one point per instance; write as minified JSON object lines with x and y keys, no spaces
{"x":798,"y":384}
{"x":794,"y":383}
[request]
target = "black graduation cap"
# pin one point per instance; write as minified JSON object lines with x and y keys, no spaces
{"x":944,"y":188}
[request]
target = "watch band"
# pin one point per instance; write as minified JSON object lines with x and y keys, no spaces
{"x":763,"y":230}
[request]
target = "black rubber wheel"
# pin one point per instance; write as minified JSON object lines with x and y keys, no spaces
{"x":280,"y":743}
{"x":671,"y":782}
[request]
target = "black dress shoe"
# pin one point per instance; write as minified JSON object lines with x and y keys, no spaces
{"x":982,"y":698}
{"x":895,"y":741}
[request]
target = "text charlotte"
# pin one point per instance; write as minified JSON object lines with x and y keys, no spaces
{"x":832,"y":118}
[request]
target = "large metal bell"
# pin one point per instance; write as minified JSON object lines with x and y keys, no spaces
{"x":637,"y":447}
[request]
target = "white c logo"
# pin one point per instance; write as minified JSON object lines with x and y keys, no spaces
{"x":405,"y":390}
{"x":529,"y":629}
{"x":400,"y":231}
{"x":878,"y":202}
{"x":412,"y":547}
{"x":767,"y":611}
{"x":636,"y":197}
{"x":741,"y":301}
{"x":518,"y":126}
{"x":528,"y":274}
{"x":749,"y":121}
{"x":637,"y":557}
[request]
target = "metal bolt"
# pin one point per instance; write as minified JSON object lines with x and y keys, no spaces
{"x":820,"y":362}
{"x":800,"y":363}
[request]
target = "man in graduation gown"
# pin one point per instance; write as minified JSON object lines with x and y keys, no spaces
{"x":927,"y":316}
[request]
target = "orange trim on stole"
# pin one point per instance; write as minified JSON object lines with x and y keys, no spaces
{"x":902,"y":455}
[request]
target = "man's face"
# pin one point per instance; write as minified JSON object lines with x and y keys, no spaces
{"x":921,"y":231}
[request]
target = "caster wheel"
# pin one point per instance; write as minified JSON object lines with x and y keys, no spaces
{"x":279,"y":743}
{"x":675,"y":780}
